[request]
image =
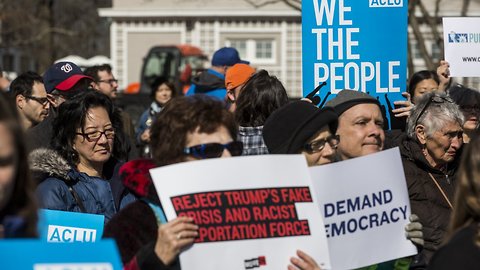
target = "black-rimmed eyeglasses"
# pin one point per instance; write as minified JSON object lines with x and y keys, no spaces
{"x":42,"y":100}
{"x":434,"y":99}
{"x":111,"y":81}
{"x":319,"y":145}
{"x":95,"y":135}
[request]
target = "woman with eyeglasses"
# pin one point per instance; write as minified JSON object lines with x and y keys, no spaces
{"x":189,"y":128}
{"x":430,"y":153}
{"x":18,"y":212}
{"x":302,"y":128}
{"x":462,"y":251}
{"x":469,"y":102}
{"x":81,"y":173}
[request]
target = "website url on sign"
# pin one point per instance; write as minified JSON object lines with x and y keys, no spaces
{"x":471,"y":59}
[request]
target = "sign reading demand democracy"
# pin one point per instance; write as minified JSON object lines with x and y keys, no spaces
{"x":365,"y":206}
{"x":355,"y":44}
{"x":251,"y":211}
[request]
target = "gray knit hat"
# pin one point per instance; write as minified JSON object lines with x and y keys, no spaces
{"x":346,"y":99}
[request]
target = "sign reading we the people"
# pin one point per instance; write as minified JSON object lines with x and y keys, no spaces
{"x":251,"y":211}
{"x":355,"y":44}
{"x":40,"y":255}
{"x":365,"y":205}
{"x":461,"y":37}
{"x":70,"y":227}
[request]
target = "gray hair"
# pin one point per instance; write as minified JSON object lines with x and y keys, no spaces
{"x":435,"y":116}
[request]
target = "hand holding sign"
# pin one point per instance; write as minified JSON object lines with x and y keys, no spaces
{"x":303,"y":262}
{"x":173,"y":237}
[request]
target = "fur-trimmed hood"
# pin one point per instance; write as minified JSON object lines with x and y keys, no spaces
{"x":49,"y":163}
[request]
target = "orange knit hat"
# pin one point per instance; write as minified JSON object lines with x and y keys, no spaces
{"x":237,"y":75}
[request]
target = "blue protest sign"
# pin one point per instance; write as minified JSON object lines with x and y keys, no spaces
{"x":69,"y":227}
{"x":40,"y":255}
{"x":355,"y":44}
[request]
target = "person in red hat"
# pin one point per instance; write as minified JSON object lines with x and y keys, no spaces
{"x":62,"y":81}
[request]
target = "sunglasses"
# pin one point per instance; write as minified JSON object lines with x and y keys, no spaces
{"x":434,"y":99}
{"x":7,"y":161}
{"x":214,"y":150}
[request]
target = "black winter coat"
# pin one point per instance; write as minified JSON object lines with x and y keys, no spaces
{"x":426,"y":199}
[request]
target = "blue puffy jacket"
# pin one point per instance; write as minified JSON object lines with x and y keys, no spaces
{"x":63,"y":183}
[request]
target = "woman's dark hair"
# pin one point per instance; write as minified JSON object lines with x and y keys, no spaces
{"x":261,"y":95}
{"x":72,"y":115}
{"x":159,"y":81}
{"x":464,"y":96}
{"x":419,"y":76}
{"x":22,"y":201}
{"x":181,"y":116}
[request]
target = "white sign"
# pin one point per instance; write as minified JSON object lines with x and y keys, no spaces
{"x":253,"y":212}
{"x":365,"y":206}
{"x":461,"y":37}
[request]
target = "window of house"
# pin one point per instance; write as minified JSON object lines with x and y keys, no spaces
{"x":257,"y":51}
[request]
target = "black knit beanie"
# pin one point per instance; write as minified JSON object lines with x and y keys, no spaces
{"x":287,"y":129}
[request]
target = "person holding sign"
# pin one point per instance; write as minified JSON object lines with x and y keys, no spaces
{"x":360,"y":127}
{"x":189,"y":128}
{"x":430,"y":154}
{"x":81,"y":175}
{"x":462,"y":249}
{"x":18,"y":212}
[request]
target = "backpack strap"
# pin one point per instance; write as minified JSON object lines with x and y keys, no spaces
{"x":77,"y":199}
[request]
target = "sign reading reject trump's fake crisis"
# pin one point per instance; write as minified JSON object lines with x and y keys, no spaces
{"x":355,"y":44}
{"x":251,"y":211}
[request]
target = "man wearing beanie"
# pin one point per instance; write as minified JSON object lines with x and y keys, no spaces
{"x":360,"y":124}
{"x":212,"y":81}
{"x":235,"y":79}
{"x":360,"y":127}
{"x":301,"y":127}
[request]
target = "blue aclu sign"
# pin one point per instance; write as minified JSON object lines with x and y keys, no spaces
{"x":70,"y":227}
{"x":40,"y":255}
{"x":355,"y":44}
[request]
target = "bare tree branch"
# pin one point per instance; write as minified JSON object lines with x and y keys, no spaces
{"x":433,"y":23}
{"x":419,"y":36}
{"x":295,"y":4}
{"x":464,"y":9}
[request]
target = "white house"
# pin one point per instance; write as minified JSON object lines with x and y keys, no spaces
{"x":268,"y":36}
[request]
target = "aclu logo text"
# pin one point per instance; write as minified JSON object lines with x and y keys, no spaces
{"x":255,"y":262}
{"x":385,"y":3}
{"x":70,"y":234}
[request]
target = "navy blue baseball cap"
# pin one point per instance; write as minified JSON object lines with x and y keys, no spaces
{"x":62,"y":76}
{"x":227,"y":56}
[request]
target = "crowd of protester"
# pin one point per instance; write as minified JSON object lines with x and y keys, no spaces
{"x":65,"y":145}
